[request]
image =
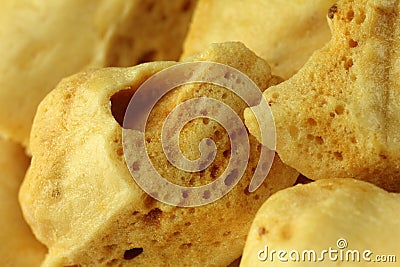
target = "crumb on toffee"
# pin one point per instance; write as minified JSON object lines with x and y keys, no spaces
{"x":332,"y":11}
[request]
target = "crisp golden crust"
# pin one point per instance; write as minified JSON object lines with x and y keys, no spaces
{"x":19,"y":247}
{"x":81,"y":200}
{"x":339,"y":116}
{"x":284,"y":33}
{"x":315,"y":216}
{"x":43,"y":42}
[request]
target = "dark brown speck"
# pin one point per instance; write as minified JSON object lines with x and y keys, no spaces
{"x":332,"y":11}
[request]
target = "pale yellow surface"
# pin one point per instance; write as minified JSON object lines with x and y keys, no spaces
{"x":81,"y":200}
{"x":19,"y":247}
{"x":315,"y":216}
{"x":43,"y":41}
{"x":284,"y":33}
{"x":339,"y":115}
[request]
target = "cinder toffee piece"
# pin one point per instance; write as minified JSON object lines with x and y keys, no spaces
{"x":45,"y":41}
{"x":339,"y":116}
{"x":283,"y":32}
{"x":351,"y":220}
{"x":19,"y":246}
{"x":81,"y":200}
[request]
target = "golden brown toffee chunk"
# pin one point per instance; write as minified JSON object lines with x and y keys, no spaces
{"x":82,"y":202}
{"x":339,"y":116}
{"x":344,"y":217}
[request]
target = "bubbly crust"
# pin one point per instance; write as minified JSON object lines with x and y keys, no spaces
{"x":315,"y":216}
{"x":284,"y":33}
{"x":19,"y":247}
{"x":81,"y":200}
{"x":45,"y":41}
{"x":339,"y":115}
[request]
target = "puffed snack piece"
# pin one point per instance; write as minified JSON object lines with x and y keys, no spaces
{"x":330,"y":222}
{"x":284,"y":33}
{"x":19,"y":247}
{"x":42,"y":42}
{"x":81,"y":200}
{"x":339,"y":115}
